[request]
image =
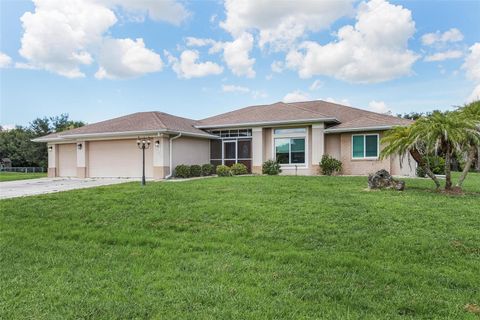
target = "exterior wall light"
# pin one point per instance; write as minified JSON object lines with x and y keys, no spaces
{"x":79,"y":146}
{"x":50,"y":148}
{"x":157,"y":143}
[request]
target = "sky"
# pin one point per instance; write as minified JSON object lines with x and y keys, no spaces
{"x":99,"y":59}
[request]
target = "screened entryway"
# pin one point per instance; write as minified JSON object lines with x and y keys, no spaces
{"x":230,"y":150}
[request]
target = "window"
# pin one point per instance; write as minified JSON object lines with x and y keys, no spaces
{"x":290,"y":130}
{"x":365,"y":146}
{"x":232,"y":133}
{"x":290,"y":150}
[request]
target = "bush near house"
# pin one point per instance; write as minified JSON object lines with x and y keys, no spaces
{"x":195,"y":170}
{"x":207,"y":169}
{"x":224,"y":171}
{"x":330,"y":166}
{"x":238,"y":169}
{"x":271,"y":168}
{"x":182,"y":171}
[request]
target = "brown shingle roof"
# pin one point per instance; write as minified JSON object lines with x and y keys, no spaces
{"x":348,"y":117}
{"x":133,"y":123}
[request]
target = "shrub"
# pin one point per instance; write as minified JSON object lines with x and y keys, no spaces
{"x":239,"y":169}
{"x":420,"y":172}
{"x":182,"y":171}
{"x":437,"y":164}
{"x":330,"y":165}
{"x":195,"y":170}
{"x":207,"y":169}
{"x":223,"y":171}
{"x":271,"y":167}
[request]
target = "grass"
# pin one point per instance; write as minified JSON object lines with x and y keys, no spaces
{"x":11,"y":176}
{"x":242,"y":248}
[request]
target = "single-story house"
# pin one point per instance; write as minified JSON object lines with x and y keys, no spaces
{"x":297,"y":135}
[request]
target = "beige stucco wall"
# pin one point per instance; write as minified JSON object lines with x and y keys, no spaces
{"x":118,"y":158}
{"x":407,"y":167}
{"x":333,"y":145}
{"x":67,"y":160}
{"x":190,"y":151}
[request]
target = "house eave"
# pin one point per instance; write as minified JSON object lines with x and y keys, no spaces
{"x":341,"y":130}
{"x":266,"y":123}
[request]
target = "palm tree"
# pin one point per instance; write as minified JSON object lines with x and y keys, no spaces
{"x":403,"y":140}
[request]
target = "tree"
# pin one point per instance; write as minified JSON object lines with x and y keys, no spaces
{"x":439,"y":132}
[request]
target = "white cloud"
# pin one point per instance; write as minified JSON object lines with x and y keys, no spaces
{"x":236,"y":55}
{"x":374,"y":50}
{"x":378,"y":106}
{"x":452,"y":35}
{"x":59,"y":34}
{"x":344,"y":102}
{"x":441,"y":56}
{"x":8,"y":127}
{"x":126,"y":58}
{"x":280,"y":23}
{"x":165,"y":10}
{"x":472,"y":63}
{"x":317,"y":84}
{"x":234,"y":88}
{"x":472,"y":70}
{"x":296,"y":96}
{"x":215,"y":46}
{"x":277,"y":66}
{"x":5,"y":60}
{"x":187,"y":66}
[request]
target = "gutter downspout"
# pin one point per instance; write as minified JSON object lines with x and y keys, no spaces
{"x":171,"y":155}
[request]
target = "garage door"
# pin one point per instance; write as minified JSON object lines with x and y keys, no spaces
{"x":67,"y":160}
{"x":118,"y":158}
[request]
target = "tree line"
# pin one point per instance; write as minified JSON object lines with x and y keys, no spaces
{"x":17,"y":145}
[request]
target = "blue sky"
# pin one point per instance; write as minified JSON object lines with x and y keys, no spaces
{"x":97,"y":59}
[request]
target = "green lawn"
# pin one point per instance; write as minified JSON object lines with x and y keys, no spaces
{"x":242,"y":248}
{"x":10,"y":176}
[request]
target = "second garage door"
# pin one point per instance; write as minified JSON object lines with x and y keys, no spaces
{"x":118,"y":158}
{"x":67,"y":160}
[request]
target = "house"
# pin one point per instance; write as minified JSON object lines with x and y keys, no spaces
{"x":296,"y":134}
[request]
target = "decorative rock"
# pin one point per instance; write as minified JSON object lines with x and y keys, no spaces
{"x":383,"y":180}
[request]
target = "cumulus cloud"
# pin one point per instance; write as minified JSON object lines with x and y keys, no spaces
{"x":188,"y":67}
{"x":126,"y":58}
{"x":215,"y":46}
{"x":344,"y":102}
{"x":452,"y":35}
{"x":237,"y":55}
{"x":441,"y":56}
{"x":472,"y":70}
{"x":280,"y":23}
{"x":296,"y":96}
{"x":378,"y":106}
{"x":277,"y":66}
{"x":5,"y":60}
{"x":63,"y":36}
{"x":375,"y":49}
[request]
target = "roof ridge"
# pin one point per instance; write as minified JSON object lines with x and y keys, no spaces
{"x":306,"y":109}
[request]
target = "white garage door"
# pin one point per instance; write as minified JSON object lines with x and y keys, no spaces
{"x":67,"y":160}
{"x":118,"y":158}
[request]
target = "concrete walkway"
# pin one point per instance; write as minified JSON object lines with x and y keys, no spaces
{"x":31,"y":187}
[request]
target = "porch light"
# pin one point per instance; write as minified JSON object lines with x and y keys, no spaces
{"x":50,"y":148}
{"x":157,"y":143}
{"x":143,"y":143}
{"x":79,"y":146}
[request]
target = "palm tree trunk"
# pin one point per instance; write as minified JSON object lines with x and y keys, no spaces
{"x":448,"y":171}
{"x":416,"y":155}
{"x":468,"y":164}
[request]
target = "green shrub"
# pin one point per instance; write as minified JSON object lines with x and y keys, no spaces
{"x":330,"y":165}
{"x":182,"y":171}
{"x":239,"y":169}
{"x":437,"y":164}
{"x":223,"y":171}
{"x":207,"y":169}
{"x":195,"y":170}
{"x":420,"y":172}
{"x":271,"y":167}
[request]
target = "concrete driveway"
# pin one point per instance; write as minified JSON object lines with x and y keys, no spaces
{"x":23,"y":188}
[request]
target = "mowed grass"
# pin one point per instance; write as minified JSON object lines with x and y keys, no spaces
{"x":10,"y":176}
{"x":242,"y":248}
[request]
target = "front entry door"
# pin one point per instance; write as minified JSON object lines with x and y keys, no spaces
{"x":229,"y":152}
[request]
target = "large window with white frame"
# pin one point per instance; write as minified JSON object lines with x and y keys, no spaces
{"x":365,"y":146}
{"x":290,"y":145}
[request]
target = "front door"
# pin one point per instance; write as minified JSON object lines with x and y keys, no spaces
{"x":229,"y":152}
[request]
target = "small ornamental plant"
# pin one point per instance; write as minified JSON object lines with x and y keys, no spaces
{"x":207,"y":169}
{"x":182,"y":171}
{"x":224,"y":171}
{"x":238,"y":169}
{"x":330,"y":166}
{"x":195,"y":171}
{"x":271,"y":167}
